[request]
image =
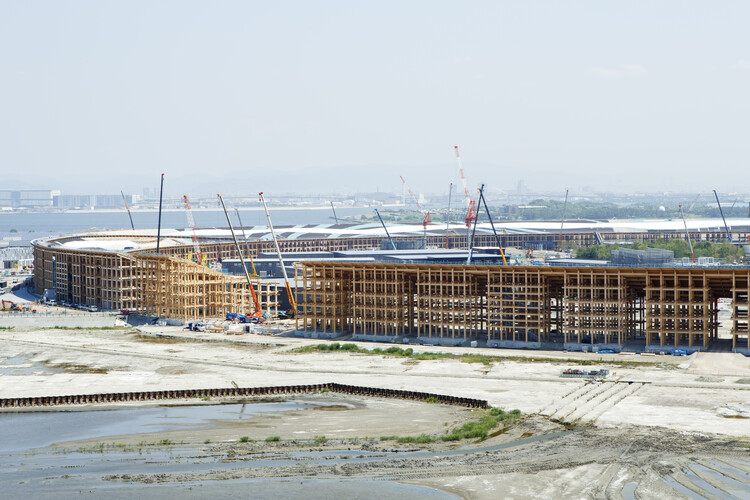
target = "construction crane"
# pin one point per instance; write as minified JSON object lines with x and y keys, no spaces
{"x":471,"y":208}
{"x":687,"y":233}
{"x":562,"y":222}
{"x":726,"y":227}
{"x":334,"y":213}
{"x":9,"y":305}
{"x":128,"y":209}
{"x":256,"y":303}
{"x":158,"y":227}
{"x":450,"y":195}
{"x":690,"y":208}
{"x":482,"y":199}
{"x":247,"y":249}
{"x":448,"y":217}
{"x":191,"y":224}
{"x":473,"y":231}
{"x":393,"y":245}
{"x":426,"y":219}
{"x":289,"y":293}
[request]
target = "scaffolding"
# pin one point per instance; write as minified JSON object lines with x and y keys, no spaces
{"x":666,"y":307}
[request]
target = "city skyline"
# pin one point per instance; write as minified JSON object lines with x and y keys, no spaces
{"x":346,"y":97}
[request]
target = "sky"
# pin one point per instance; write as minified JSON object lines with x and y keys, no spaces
{"x":244,"y":96}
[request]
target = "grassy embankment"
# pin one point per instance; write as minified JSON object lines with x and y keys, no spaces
{"x":467,"y":358}
{"x":478,"y":429}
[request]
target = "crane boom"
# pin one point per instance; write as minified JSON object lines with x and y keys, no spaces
{"x":467,"y":197}
{"x":426,"y":213}
{"x":482,"y":199}
{"x":128,"y":209}
{"x":687,"y":233}
{"x":411,"y":193}
{"x":158,"y":227}
{"x":393,"y":245}
{"x":471,"y":208}
{"x":191,"y":224}
{"x":690,"y":208}
{"x":562,"y":222}
{"x":335,"y":217}
{"x":244,"y":237}
{"x":726,"y":227}
{"x":289,"y":293}
{"x":473,"y":232}
{"x":256,"y":303}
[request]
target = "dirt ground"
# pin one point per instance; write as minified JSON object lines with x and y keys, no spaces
{"x":659,"y":427}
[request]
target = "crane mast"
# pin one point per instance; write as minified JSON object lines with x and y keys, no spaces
{"x":191,"y":224}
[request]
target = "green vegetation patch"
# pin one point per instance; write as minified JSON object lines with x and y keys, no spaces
{"x":478,"y":429}
{"x":724,"y":251}
{"x":487,"y":360}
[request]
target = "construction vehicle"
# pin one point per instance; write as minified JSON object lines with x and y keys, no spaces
{"x":289,"y":293}
{"x":9,"y":305}
{"x":256,"y":303}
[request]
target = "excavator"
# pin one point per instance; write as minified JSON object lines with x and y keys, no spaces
{"x":9,"y":305}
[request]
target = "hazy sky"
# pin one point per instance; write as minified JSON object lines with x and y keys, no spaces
{"x":297,"y":96}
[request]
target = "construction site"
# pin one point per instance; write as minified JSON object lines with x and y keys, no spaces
{"x":430,"y":294}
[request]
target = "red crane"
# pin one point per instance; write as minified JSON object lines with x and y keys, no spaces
{"x":471,"y":206}
{"x":426,"y":220}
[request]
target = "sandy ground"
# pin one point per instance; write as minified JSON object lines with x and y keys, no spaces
{"x":659,"y":417}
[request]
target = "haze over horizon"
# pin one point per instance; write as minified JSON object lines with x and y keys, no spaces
{"x":341,"y":96}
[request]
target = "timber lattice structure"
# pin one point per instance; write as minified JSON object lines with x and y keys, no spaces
{"x":522,"y":304}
